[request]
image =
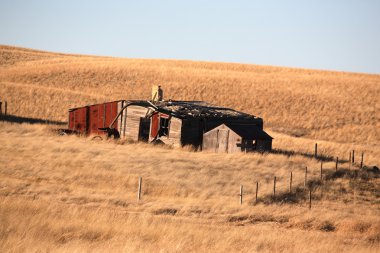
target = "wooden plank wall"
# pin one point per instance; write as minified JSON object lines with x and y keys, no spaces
{"x":122,"y":120}
{"x":221,"y":139}
{"x":132,"y":128}
{"x":233,"y":141}
{"x":210,"y":141}
{"x":174,"y":137}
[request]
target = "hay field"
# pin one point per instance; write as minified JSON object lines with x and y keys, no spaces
{"x":68,"y":193}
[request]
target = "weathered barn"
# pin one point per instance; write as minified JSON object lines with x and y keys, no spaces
{"x":195,"y":123}
{"x":177,"y":123}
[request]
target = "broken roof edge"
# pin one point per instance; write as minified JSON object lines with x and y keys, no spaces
{"x":202,"y":109}
{"x":79,"y":107}
{"x":246,"y":131}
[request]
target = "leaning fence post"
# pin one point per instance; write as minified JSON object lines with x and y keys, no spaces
{"x":336,"y":164}
{"x":362,"y":160}
{"x":139,"y":189}
{"x":316,"y":150}
{"x":290,"y":182}
{"x":310,"y":199}
{"x":305,"y":183}
{"x":241,"y":195}
{"x":274,"y":187}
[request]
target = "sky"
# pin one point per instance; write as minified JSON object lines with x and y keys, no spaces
{"x":341,"y":35}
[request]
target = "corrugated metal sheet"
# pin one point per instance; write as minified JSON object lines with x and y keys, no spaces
{"x":88,"y":119}
{"x":78,"y":120}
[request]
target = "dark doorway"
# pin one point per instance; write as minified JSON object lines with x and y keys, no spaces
{"x":144,"y":129}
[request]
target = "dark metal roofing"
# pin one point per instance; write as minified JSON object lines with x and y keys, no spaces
{"x":249,"y":132}
{"x":199,"y":109}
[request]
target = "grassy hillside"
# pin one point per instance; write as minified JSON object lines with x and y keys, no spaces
{"x":333,"y":106}
{"x":71,"y":194}
{"x":68,"y":193}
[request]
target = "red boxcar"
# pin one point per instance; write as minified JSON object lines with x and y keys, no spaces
{"x":88,"y":119}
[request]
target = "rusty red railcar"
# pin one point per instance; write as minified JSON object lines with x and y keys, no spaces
{"x":89,"y":119}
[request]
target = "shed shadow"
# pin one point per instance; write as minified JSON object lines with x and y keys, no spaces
{"x":19,"y":120}
{"x":324,"y":158}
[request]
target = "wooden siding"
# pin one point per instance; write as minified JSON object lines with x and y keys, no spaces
{"x":174,"y":137}
{"x":233,"y":142}
{"x":221,"y":140}
{"x":133,"y":121}
{"x":120,"y":119}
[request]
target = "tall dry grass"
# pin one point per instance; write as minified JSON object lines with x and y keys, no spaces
{"x":325,"y":105}
{"x":73,"y":194}
{"x":66,"y":194}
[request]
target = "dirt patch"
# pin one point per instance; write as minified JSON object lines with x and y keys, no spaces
{"x":118,"y":202}
{"x":237,"y":218}
{"x":253,"y":219}
{"x":165,"y":211}
{"x":327,"y":226}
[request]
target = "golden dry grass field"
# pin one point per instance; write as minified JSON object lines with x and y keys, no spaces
{"x":71,"y":194}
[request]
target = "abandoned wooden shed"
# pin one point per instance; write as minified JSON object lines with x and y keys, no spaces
{"x":178,"y":123}
{"x":196,"y":123}
{"x":230,"y":138}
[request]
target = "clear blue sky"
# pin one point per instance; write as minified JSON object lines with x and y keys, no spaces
{"x":319,"y":34}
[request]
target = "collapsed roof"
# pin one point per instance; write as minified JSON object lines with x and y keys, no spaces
{"x":200,"y":109}
{"x":192,"y":109}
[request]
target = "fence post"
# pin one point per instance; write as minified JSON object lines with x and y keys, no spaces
{"x":5,"y":108}
{"x":274,"y":187}
{"x":349,"y":161}
{"x":305,"y":183}
{"x":1,"y":109}
{"x":139,"y":189}
{"x":322,"y":190}
{"x":257,"y":189}
{"x":241,"y":194}
{"x":316,"y":150}
{"x":290,"y":182}
{"x":362,"y":160}
{"x":310,"y":199}
{"x":336,"y":164}
{"x":321,"y":171}
{"x":353,"y":156}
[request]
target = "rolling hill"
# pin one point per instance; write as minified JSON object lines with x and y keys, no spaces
{"x":334,"y":106}
{"x":69,"y":193}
